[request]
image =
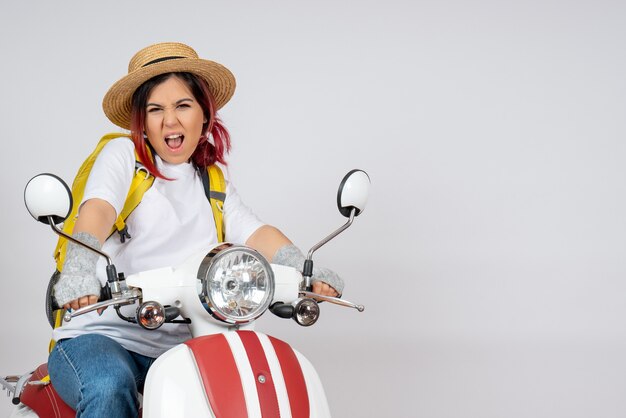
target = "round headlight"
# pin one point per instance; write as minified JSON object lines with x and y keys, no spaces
{"x":236,"y":283}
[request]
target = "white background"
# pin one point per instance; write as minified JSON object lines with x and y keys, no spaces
{"x":491,"y":255}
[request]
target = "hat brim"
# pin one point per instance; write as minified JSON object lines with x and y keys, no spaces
{"x":117,"y":101}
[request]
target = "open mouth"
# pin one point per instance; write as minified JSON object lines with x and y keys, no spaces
{"x":174,"y":142}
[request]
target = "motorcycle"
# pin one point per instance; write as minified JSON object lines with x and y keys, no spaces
{"x":227,"y":369}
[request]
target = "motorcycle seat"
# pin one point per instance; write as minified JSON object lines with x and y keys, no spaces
{"x":43,"y":399}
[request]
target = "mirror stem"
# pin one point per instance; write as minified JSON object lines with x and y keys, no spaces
{"x":74,"y":240}
{"x":308,"y":263}
{"x":110,"y":268}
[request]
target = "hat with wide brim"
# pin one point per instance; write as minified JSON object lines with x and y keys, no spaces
{"x":159,"y":59}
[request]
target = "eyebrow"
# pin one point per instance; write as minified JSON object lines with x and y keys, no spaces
{"x":186,"y":99}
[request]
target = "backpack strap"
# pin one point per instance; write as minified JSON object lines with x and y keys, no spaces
{"x":215,"y":191}
{"x":140,"y":184}
{"x":58,"y":321}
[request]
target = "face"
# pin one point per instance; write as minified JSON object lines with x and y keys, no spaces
{"x":173,"y":121}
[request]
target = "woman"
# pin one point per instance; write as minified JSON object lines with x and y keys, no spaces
{"x":169,"y":101}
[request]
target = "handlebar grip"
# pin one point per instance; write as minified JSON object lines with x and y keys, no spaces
{"x":171,"y":313}
{"x":51,"y":302}
{"x":282,"y":310}
{"x":105,"y":292}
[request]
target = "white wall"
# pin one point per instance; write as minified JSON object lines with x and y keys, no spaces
{"x":491,"y":257}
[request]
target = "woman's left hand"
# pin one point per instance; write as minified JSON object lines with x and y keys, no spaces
{"x":272,"y":244}
{"x":324,"y":289}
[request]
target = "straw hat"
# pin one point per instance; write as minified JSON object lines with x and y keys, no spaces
{"x":159,"y":59}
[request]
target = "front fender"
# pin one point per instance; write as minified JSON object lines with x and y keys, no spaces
{"x":239,"y":373}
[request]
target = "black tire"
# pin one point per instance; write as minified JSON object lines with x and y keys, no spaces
{"x":51,"y":305}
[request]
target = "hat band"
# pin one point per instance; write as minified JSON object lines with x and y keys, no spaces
{"x":160,"y":60}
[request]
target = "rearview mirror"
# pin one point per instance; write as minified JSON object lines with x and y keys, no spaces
{"x":47,"y":197}
{"x":353,"y":192}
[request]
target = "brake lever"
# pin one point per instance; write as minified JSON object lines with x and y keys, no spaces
{"x":331,"y":299}
{"x":127,"y":297}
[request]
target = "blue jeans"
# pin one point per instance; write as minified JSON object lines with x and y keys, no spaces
{"x":98,"y":377}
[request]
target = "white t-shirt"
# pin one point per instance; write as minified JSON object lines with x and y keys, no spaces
{"x":173,"y":221}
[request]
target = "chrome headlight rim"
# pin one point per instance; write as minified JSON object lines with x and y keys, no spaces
{"x":214,"y":256}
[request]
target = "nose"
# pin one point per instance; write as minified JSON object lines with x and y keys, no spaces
{"x":169,"y":117}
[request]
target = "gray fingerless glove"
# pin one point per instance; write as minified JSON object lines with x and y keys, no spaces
{"x":290,"y":255}
{"x":78,"y":277}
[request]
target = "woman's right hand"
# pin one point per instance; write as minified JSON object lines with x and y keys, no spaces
{"x":81,"y":302}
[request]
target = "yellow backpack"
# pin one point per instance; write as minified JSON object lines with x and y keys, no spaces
{"x":214,"y":188}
